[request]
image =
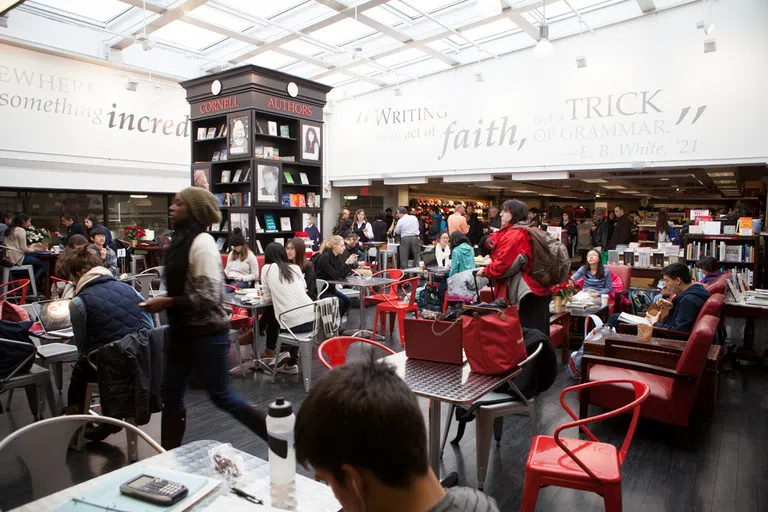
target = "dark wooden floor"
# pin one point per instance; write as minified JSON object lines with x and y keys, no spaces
{"x":726,"y":469}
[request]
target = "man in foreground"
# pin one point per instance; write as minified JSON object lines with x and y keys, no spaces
{"x":362,"y":431}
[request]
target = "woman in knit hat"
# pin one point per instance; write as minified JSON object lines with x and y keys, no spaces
{"x":198,"y":324}
{"x":242,"y":268}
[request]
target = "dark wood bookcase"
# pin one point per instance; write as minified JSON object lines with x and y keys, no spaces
{"x":240,"y":118}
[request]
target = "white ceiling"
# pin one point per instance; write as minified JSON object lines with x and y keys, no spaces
{"x":354,"y":45}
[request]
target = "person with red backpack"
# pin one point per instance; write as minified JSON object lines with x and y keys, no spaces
{"x":512,"y":268}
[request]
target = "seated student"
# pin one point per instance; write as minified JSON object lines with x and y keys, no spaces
{"x":597,"y":278}
{"x":103,"y":310}
{"x":91,"y":222}
{"x":443,"y":250}
{"x":679,"y":314}
{"x":100,"y":249}
{"x":242,"y":268}
{"x":462,"y":253}
{"x":711,"y":268}
{"x":330,"y":267}
{"x":296,"y":250}
{"x":372,"y":464}
{"x":351,"y":247}
{"x":283,"y":285}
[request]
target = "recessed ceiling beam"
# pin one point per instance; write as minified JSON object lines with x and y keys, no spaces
{"x":165,"y":19}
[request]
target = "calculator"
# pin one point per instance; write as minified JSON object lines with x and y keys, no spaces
{"x":154,"y":490}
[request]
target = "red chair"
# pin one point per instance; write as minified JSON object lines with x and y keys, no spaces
{"x":718,"y":286}
{"x":336,"y":350}
{"x":20,"y":284}
{"x":625,"y":274}
{"x":673,"y":391}
{"x":398,"y":307}
{"x":387,"y":290}
{"x":579,"y":464}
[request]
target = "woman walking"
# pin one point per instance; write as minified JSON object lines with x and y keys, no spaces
{"x":198,"y":325}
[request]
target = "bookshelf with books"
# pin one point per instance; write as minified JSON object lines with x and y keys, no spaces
{"x":257,"y":136}
{"x":735,"y":254}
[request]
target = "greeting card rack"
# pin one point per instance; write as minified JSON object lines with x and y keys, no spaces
{"x":257,"y":144}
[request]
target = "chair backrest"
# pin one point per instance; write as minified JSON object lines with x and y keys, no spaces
{"x":13,"y":287}
{"x":413,"y":282}
{"x":322,"y":286}
{"x":694,"y":357}
{"x":394,"y":273}
{"x":718,"y":286}
{"x":712,"y":306}
{"x":224,"y":258}
{"x":260,"y":261}
{"x":43,"y":445}
{"x":624,"y":272}
{"x":335,"y":349}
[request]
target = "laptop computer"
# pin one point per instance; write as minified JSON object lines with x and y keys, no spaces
{"x":422,"y":343}
{"x":430,"y":262}
{"x":54,"y":318}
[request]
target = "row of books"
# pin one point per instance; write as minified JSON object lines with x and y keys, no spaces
{"x":212,"y":132}
{"x":285,"y":130}
{"x":721,"y":251}
{"x":745,"y":226}
{"x":311,"y":200}
{"x":234,"y":199}
{"x":270,"y":152}
{"x":227,"y":176}
{"x":271,"y":225}
{"x":645,"y":259}
{"x":289,"y":178}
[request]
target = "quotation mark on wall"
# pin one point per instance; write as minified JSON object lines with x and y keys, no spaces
{"x":685,"y":111}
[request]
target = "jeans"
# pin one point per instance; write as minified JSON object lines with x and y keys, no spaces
{"x":344,"y":302}
{"x":613,"y":321}
{"x":237,"y":284}
{"x":39,"y":266}
{"x":82,"y":374}
{"x":207,"y":355}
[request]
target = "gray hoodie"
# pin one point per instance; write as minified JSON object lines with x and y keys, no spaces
{"x":460,"y":499}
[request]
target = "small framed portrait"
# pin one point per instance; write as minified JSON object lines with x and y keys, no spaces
{"x":268,"y":184}
{"x":272,"y":125}
{"x":201,"y":177}
{"x":239,"y":136}
{"x":311,"y":144}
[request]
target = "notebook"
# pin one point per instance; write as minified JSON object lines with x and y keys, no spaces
{"x":54,"y":317}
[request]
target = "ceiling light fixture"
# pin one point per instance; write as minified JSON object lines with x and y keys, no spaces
{"x":664,"y":179}
{"x":350,"y":198}
{"x":488,"y":8}
{"x":710,"y":46}
{"x":544,"y":47}
{"x":139,"y":196}
{"x":131,"y":85}
{"x":581,"y":62}
{"x":479,"y":77}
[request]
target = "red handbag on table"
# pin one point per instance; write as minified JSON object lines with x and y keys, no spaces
{"x":493,"y":339}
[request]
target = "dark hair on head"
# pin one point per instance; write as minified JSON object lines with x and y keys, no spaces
{"x":99,"y":230}
{"x":275,"y":253}
{"x":708,"y":263}
{"x":600,"y":274}
{"x":434,"y":208}
{"x":69,"y":216}
{"x":662,"y":223}
{"x":364,"y":415}
{"x":17,"y":222}
{"x":93,"y":218}
{"x":620,"y":207}
{"x":677,"y":270}
{"x":7,"y":215}
{"x":77,"y":240}
{"x":518,"y":209}
{"x":402,"y":209}
{"x":238,"y":240}
{"x":76,"y":261}
{"x":534,"y":210}
{"x":458,"y":238}
{"x":381,"y":216}
{"x":301,"y":252}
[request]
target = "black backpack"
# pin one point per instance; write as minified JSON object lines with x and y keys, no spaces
{"x":551,"y":264}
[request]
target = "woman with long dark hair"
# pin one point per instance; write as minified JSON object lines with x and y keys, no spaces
{"x":198,"y":324}
{"x":282,"y":284}
{"x":18,"y":252}
{"x":511,"y":266}
{"x":664,"y":232}
{"x":312,"y":142}
{"x":91,"y":222}
{"x":297,"y":254}
{"x":597,"y":279}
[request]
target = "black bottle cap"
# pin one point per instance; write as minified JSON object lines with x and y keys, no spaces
{"x":280,"y":408}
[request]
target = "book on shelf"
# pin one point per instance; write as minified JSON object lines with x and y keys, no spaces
{"x":286,"y":200}
{"x":304,"y":178}
{"x":285,"y":130}
{"x":280,"y":240}
{"x":246,"y":199}
{"x":222,"y":130}
{"x":269,"y":152}
{"x":247,"y":175}
{"x":238,"y":175}
{"x":216,"y":226}
{"x":220,"y":243}
{"x":259,"y":248}
{"x":225,"y":226}
{"x":256,"y":225}
{"x":259,"y":129}
{"x":269,"y":221}
{"x":225,"y":176}
{"x":224,"y":154}
{"x":276,"y":153}
{"x":201,"y":134}
{"x":288,"y":158}
{"x":629,"y":258}
{"x":745,"y":226}
{"x":288,"y":177}
{"x":285,"y":224}
{"x":729,"y":230}
{"x":302,"y":201}
{"x":313,"y":200}
{"x":258,"y":151}
{"x":711,"y":227}
{"x":216,"y":156}
{"x":272,"y":126}
{"x":658,"y":259}
{"x":211,"y":133}
{"x":732,"y":253}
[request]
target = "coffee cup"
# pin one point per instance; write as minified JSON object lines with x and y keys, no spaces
{"x":604,"y":299}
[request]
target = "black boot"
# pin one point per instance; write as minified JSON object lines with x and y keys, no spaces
{"x":254,"y":419}
{"x":172,"y":426}
{"x":100,"y":431}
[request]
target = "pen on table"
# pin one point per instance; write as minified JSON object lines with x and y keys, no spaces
{"x":243,"y":494}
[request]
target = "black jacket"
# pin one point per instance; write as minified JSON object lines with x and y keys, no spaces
{"x":600,"y":235}
{"x":685,"y":309}
{"x":380,"y":228}
{"x":130,"y":372}
{"x":622,"y":233}
{"x":311,"y":280}
{"x":475,"y":229}
{"x":74,"y":229}
{"x":329,"y":267}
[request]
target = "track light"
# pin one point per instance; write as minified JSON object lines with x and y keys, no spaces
{"x":398,"y":91}
{"x":707,"y":27}
{"x":581,"y":62}
{"x":544,"y":47}
{"x":131,"y":85}
{"x":710,"y":46}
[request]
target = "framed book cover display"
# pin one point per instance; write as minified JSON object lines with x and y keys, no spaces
{"x":258,"y":148}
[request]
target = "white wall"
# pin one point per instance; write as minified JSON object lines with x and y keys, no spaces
{"x":73,"y":125}
{"x":651,"y":71}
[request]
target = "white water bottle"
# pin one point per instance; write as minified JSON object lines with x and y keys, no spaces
{"x":282,"y":456}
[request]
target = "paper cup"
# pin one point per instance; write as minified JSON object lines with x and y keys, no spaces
{"x":604,"y":299}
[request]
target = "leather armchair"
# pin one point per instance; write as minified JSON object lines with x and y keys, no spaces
{"x":673,"y":390}
{"x":718,"y":286}
{"x":712,"y":307}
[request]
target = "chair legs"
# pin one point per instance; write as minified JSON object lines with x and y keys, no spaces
{"x":530,"y":493}
{"x":612,"y":497}
{"x":132,"y":439}
{"x":484,"y":425}
{"x":34,"y":398}
{"x":305,"y":355}
{"x":498,"y":428}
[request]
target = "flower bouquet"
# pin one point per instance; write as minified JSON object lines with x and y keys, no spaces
{"x":37,"y":235}
{"x":562,"y":293}
{"x":134,"y":233}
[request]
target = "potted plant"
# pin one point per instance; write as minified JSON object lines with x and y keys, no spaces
{"x":37,"y":235}
{"x":562,"y":293}
{"x":134,"y":233}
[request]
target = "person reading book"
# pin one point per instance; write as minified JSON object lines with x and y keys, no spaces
{"x":681,"y":313}
{"x":361,"y":429}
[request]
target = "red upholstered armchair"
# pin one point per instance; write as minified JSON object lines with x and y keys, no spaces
{"x":712,"y":307}
{"x":625,"y":274}
{"x":718,"y":286}
{"x":673,"y":391}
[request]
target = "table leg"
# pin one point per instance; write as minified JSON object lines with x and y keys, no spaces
{"x":363,"y":291}
{"x":451,"y":478}
{"x":48,"y":279}
{"x":258,"y":364}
